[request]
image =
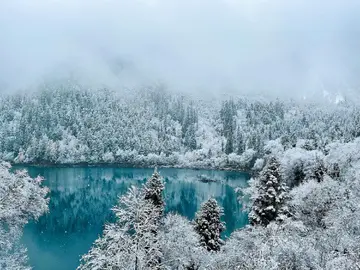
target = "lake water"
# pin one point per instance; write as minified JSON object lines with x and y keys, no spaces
{"x":81,"y":199}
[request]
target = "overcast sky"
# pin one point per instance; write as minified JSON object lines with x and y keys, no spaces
{"x":241,"y":46}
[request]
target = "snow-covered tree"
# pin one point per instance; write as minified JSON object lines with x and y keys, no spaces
{"x":180,"y":244}
{"x":130,"y":243}
{"x":21,"y":198}
{"x":153,"y":190}
{"x":323,"y":229}
{"x":135,"y":232}
{"x":209,"y":226}
{"x":13,"y":255}
{"x":271,"y":193}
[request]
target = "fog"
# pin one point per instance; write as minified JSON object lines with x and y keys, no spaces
{"x":279,"y":47}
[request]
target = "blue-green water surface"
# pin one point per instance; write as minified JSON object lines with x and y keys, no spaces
{"x":81,"y":199}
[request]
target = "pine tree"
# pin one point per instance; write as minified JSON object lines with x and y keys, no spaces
{"x":153,"y":190}
{"x":319,"y":170}
{"x":335,"y":170}
{"x":130,"y":243}
{"x":240,"y":142}
{"x":308,"y":145}
{"x":229,"y":147}
{"x":268,"y":205}
{"x":133,"y":242}
{"x":227,"y":114}
{"x":209,"y":226}
{"x":190,"y":137}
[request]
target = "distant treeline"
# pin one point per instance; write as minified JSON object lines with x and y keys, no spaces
{"x":69,"y":124}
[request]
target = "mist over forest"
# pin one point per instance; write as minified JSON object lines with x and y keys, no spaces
{"x":275,"y":48}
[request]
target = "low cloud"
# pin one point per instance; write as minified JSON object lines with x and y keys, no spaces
{"x":277,"y":47}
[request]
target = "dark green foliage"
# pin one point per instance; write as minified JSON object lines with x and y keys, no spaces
{"x":190,"y":137}
{"x":227,"y":114}
{"x":299,"y":175}
{"x":192,"y":266}
{"x":153,"y":190}
{"x":319,"y":170}
{"x":240,"y":142}
{"x":271,"y":195}
{"x":209,"y":226}
{"x":334,"y":171}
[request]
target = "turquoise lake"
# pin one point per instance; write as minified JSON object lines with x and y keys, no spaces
{"x":81,"y":199}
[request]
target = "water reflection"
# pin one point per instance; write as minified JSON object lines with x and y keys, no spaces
{"x":81,"y":199}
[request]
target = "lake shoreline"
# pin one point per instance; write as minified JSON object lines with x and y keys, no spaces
{"x":127,"y":165}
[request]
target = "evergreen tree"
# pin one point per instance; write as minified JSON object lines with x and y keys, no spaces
{"x":209,"y":226}
{"x":227,"y":114}
{"x":285,"y":141}
{"x":153,"y":190}
{"x":268,"y":203}
{"x":335,"y":170}
{"x":229,"y":146}
{"x":130,"y":243}
{"x":319,"y":170}
{"x":308,"y":145}
{"x":240,"y":142}
{"x":190,"y":137}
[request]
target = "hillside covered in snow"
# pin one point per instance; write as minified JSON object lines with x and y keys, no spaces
{"x":70,"y":124}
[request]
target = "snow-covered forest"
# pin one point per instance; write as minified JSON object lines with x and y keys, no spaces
{"x":259,"y":98}
{"x":302,"y":201}
{"x":303,"y":212}
{"x":69,"y":124}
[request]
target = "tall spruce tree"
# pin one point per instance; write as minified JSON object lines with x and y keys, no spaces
{"x":133,"y":241}
{"x":227,"y":114}
{"x":153,"y":190}
{"x":267,"y":206}
{"x":209,"y":226}
{"x":130,"y":243}
{"x":229,"y":146}
{"x":240,"y":142}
